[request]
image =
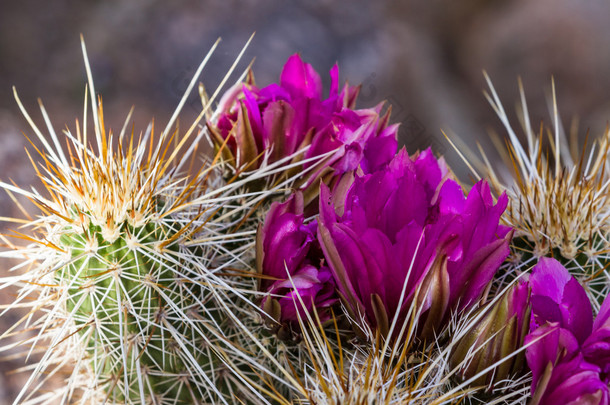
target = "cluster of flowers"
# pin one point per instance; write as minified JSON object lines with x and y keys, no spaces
{"x":388,"y":225}
{"x":391,"y":232}
{"x":378,"y":277}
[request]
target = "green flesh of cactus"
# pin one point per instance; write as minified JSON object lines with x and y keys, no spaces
{"x":590,"y":271}
{"x":129,"y":304}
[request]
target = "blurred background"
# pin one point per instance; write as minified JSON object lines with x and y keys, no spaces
{"x":425,"y":58}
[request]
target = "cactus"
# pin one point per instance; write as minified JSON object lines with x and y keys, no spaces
{"x":557,"y":192}
{"x":128,"y":262}
{"x":134,"y":311}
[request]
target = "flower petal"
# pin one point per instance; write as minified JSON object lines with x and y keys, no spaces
{"x":300,"y":78}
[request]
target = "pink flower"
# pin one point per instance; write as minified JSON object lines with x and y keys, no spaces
{"x":263,"y":126}
{"x":291,"y":265}
{"x":409,"y":227}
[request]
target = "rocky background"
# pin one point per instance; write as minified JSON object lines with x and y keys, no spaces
{"x":425,"y":58}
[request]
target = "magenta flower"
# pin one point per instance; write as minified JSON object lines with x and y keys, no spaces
{"x":290,"y":262}
{"x":263,"y":126}
{"x":549,"y":345}
{"x":561,"y":319}
{"x":408,"y":226}
{"x":567,"y":352}
{"x":561,"y":373}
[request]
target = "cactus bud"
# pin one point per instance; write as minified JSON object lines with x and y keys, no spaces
{"x":493,"y":337}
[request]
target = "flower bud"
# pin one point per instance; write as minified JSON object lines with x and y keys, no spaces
{"x":494,"y":337}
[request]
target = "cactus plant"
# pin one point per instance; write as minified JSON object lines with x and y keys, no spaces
{"x":128,"y":262}
{"x":557,"y":191}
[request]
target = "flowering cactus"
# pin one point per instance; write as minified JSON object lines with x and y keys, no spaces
{"x":156,"y":286}
{"x":407,"y":233}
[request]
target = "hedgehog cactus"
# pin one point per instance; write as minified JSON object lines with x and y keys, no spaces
{"x":558,"y":195}
{"x":129,"y":306}
{"x":129,"y":263}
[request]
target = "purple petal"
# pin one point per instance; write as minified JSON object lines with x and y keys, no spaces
{"x":469,"y":282}
{"x":547,"y":345}
{"x":379,"y":150}
{"x":277,"y":120}
{"x":254,"y":114}
{"x":596,"y":347}
{"x":603,"y":317}
{"x":350,"y":160}
{"x":428,"y":171}
{"x":300,"y":79}
{"x":575,"y":382}
{"x":334,"y":81}
{"x":576,"y":311}
{"x":555,"y":291}
{"x":549,"y":278}
{"x":326,"y":225}
{"x":451,"y":198}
